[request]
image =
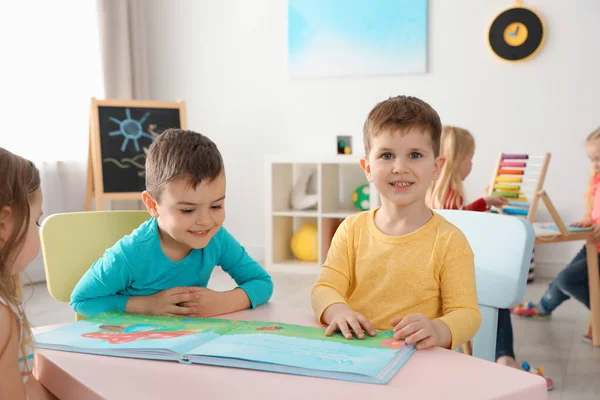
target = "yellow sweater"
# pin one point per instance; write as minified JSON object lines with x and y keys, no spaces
{"x":429,"y":271}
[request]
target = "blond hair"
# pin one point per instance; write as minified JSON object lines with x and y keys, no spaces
{"x":20,"y":179}
{"x":447,"y":191}
{"x":402,"y":112}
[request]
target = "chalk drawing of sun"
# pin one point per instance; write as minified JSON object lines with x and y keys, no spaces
{"x":131,"y":129}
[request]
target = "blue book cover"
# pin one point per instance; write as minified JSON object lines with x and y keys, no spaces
{"x":266,"y":346}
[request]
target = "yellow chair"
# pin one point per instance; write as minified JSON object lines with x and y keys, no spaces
{"x":72,"y":242}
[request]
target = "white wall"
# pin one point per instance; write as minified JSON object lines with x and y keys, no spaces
{"x":227,"y":59}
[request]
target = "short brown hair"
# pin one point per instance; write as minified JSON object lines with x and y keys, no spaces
{"x":181,"y":154}
{"x":402,"y":112}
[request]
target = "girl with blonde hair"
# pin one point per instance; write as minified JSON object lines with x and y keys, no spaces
{"x":458,"y":147}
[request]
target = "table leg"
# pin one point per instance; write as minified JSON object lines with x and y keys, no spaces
{"x":594,"y":283}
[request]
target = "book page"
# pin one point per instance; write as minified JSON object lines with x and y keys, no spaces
{"x":304,"y":347}
{"x":119,"y":331}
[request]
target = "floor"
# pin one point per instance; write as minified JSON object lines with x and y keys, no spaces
{"x":555,"y":344}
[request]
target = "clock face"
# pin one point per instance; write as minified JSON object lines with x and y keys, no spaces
{"x":516,"y":34}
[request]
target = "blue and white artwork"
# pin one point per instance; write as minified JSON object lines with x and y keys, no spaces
{"x":356,"y":37}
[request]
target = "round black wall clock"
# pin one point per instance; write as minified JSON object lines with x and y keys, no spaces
{"x":516,"y":34}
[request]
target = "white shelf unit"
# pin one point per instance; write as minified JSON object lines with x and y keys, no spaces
{"x":337,"y":177}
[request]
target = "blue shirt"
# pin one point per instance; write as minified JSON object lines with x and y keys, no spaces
{"x":137,"y":266}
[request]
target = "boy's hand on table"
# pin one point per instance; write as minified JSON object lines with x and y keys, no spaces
{"x":417,"y":329}
{"x":166,"y":302}
{"x":208,"y":303}
{"x":340,"y":317}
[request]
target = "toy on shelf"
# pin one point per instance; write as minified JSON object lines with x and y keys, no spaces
{"x":304,"y":193}
{"x":305,"y":243}
{"x":344,"y":144}
{"x":520,"y":179}
{"x":360,"y":197}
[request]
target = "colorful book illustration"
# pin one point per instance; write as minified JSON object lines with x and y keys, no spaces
{"x":265,"y":346}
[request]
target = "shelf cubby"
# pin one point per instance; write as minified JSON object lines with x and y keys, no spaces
{"x":336,"y":179}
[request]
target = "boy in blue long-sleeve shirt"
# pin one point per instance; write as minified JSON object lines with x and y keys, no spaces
{"x":164,"y":265}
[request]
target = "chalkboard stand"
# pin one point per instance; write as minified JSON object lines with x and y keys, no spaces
{"x":95,"y":185}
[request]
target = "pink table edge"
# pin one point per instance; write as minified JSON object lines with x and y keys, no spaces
{"x":433,"y":373}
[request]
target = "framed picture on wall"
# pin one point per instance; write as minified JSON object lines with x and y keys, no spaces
{"x":356,"y":37}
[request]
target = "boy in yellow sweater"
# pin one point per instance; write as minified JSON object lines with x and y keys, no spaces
{"x":400,"y":266}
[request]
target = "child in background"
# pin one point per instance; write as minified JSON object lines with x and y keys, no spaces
{"x":448,"y":191}
{"x":458,"y":148}
{"x":164,"y":265}
{"x":400,"y":266}
{"x":20,"y":213}
{"x":573,"y":280}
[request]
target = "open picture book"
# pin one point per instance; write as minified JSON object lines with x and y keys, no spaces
{"x":550,"y":228}
{"x":266,"y":346}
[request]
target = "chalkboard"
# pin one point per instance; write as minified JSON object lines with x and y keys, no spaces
{"x":120,"y":134}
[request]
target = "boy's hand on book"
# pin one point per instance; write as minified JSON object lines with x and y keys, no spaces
{"x":418,"y":329}
{"x":340,"y":317}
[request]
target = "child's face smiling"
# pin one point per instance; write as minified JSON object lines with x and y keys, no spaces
{"x":189,"y":218}
{"x":402,"y":165}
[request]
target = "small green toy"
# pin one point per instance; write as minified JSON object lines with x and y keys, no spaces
{"x":360,"y":197}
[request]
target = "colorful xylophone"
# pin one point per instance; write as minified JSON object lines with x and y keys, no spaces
{"x":520,"y":179}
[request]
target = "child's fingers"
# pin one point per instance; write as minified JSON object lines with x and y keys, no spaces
{"x":425,"y":344}
{"x":396,"y":321}
{"x":416,"y":337}
{"x":406,"y":321}
{"x":182,"y":310}
{"x":355,"y":326}
{"x":187,"y":304}
{"x":343,"y":325}
{"x":196,"y":289}
{"x":408,"y":330}
{"x":366,"y":324}
{"x":331,"y":328}
{"x":181,"y":298}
